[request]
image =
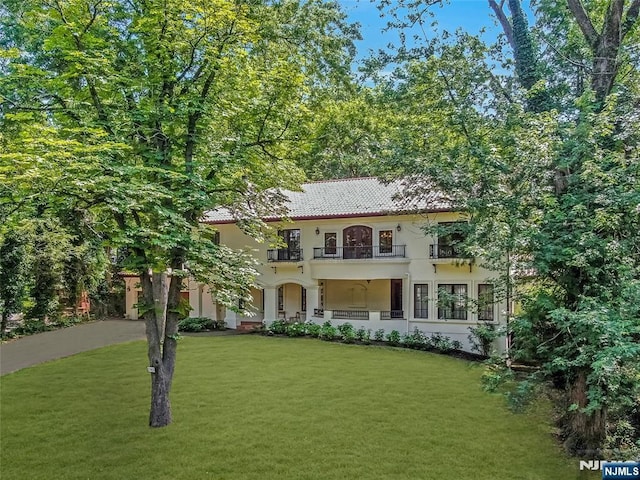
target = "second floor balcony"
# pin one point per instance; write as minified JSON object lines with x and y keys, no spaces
{"x":360,"y":252}
{"x":444,"y":251}
{"x":284,"y":255}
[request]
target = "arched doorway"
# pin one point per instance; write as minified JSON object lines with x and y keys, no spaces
{"x":356,"y":241}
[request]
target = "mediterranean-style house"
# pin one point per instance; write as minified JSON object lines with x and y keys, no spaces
{"x":351,"y":251}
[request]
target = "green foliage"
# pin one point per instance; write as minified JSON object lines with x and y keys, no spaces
{"x":183,"y":309}
{"x":443,"y":343}
{"x":522,"y":395}
{"x":550,"y":197}
{"x":50,"y":246}
{"x":141,"y":116}
{"x":296,"y":329}
{"x":482,"y":338}
{"x":196,"y":324}
{"x":349,"y":336}
{"x":12,"y":276}
{"x":313,"y":329}
{"x":32,"y":325}
{"x":328,"y":332}
{"x":348,"y":138}
{"x":378,"y":335}
{"x":416,"y":340}
{"x":363,"y":335}
{"x":278,"y":327}
{"x":393,"y":338}
{"x":67,"y":321}
{"x":345,"y":328}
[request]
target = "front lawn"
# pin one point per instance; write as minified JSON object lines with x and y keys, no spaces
{"x":249,"y":407}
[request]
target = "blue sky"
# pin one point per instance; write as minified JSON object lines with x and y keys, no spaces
{"x":470,"y":15}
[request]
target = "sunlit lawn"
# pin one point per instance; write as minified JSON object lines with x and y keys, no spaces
{"x":248,"y":407}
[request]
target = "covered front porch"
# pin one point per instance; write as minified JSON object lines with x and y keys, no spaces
{"x":371,"y":303}
{"x":371,"y":299}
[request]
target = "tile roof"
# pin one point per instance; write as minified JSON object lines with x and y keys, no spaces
{"x":351,"y":197}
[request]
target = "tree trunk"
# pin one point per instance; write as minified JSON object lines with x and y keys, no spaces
{"x":524,"y":53}
{"x":605,"y":67}
{"x":161,"y":295}
{"x":606,"y":45}
{"x":585,"y":432}
{"x":606,"y":50}
{"x":160,"y":413}
{"x":173,"y":318}
{"x":154,"y":315}
{"x":3,"y":322}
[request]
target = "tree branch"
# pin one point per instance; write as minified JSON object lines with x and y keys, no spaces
{"x":192,"y":58}
{"x":584,"y":22}
{"x":94,"y":15}
{"x":95,"y":98}
{"x":504,"y":21}
{"x":631,"y":18}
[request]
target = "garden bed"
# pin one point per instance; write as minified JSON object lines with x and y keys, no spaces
{"x":346,"y":333}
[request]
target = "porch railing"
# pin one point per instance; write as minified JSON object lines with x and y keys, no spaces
{"x":391,"y":314}
{"x":444,"y":251}
{"x":284,"y":255}
{"x":350,"y":314}
{"x":374,"y":251}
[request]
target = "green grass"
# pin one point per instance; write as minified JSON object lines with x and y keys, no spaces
{"x":269,"y":408}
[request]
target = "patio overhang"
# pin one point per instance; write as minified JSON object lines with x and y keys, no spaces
{"x":359,"y":269}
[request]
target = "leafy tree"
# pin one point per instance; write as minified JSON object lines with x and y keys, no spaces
{"x":12,"y":276}
{"x":179,"y":108}
{"x":348,"y":137}
{"x":50,"y":248}
{"x":545,"y":191}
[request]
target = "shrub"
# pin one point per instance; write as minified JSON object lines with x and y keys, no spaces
{"x":378,"y":335}
{"x":416,"y":339}
{"x":327,"y":331}
{"x":346,"y":328}
{"x":278,"y":327}
{"x":296,"y":329}
{"x":364,"y":335}
{"x":196,"y":324}
{"x":64,"y":322}
{"x":482,"y":337}
{"x":444,"y":344}
{"x":31,"y":326}
{"x":394,"y":338}
{"x":313,"y":329}
{"x":349,"y":336}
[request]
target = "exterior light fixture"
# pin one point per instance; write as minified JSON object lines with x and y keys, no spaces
{"x":398,"y":228}
{"x":317,"y":231}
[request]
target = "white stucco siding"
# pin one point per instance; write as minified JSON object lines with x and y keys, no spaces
{"x":350,"y":284}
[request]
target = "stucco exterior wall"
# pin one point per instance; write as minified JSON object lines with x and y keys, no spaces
{"x":343,"y":284}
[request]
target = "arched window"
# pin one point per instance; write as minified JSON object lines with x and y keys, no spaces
{"x":356,"y":241}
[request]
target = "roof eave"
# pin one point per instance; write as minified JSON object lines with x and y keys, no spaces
{"x":340,"y":215}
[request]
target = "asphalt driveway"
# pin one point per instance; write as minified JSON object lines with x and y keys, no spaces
{"x":42,"y":347}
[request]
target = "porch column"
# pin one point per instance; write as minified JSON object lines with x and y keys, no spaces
{"x":231,"y":319}
{"x":407,"y":298}
{"x":270,"y":306}
{"x":312,"y":301}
